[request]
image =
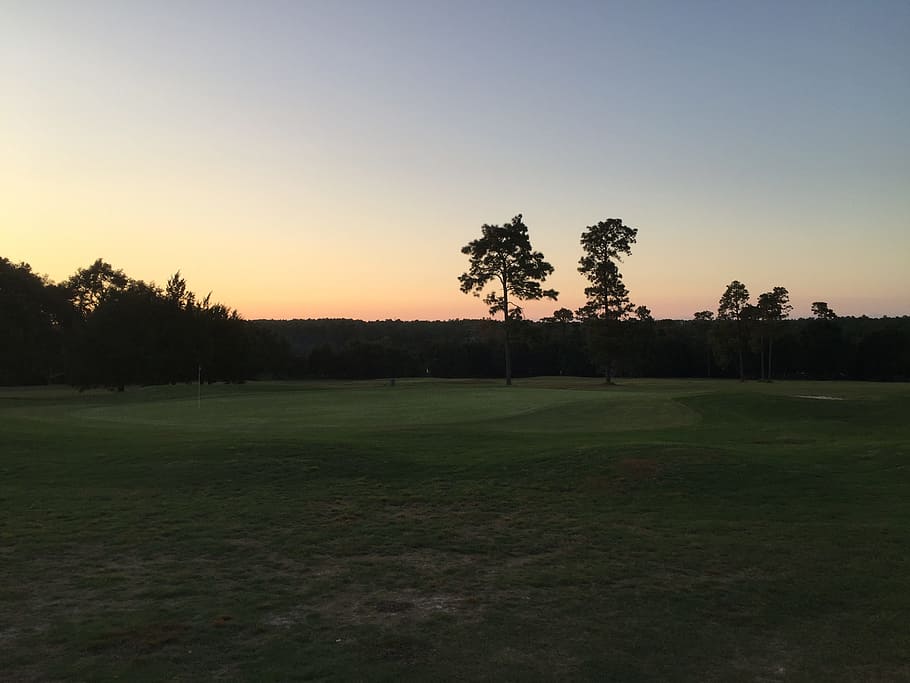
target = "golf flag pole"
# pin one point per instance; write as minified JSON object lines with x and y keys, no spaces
{"x":199,"y":389}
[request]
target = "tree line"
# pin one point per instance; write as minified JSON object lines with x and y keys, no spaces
{"x":612,"y":327}
{"x":844,"y":348}
{"x":101,"y":327}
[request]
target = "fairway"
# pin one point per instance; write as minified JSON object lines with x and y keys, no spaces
{"x":438,"y":530}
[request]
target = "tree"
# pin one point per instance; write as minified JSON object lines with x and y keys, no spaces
{"x":560,"y":315}
{"x":563,"y":317}
{"x":88,"y":286}
{"x":182,"y":330}
{"x":825,"y":347}
{"x":607,"y":302}
{"x":734,"y":308}
{"x":121,"y":339}
{"x":773,"y":307}
{"x":703,"y":321}
{"x":34,"y":316}
{"x":503,"y":255}
{"x":821,"y":310}
{"x":639,"y":337}
{"x":176,"y":292}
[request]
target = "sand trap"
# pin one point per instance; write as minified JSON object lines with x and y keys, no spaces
{"x":823,"y":398}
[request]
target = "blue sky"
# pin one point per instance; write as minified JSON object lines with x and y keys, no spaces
{"x":330,"y":158}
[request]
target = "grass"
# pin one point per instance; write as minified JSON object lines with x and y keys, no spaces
{"x":656,"y":530}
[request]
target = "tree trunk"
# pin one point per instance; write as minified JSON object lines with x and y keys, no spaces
{"x":770,"y":347}
{"x":740,"y":333}
{"x":761,"y":353}
{"x":508,"y":357}
{"x":608,"y":379}
{"x":505,"y":299}
{"x":562,"y":351}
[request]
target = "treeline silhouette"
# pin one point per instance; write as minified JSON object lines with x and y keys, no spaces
{"x":857,"y":348}
{"x":103,"y":328}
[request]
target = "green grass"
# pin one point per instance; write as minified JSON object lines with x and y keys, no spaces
{"x":656,"y":530}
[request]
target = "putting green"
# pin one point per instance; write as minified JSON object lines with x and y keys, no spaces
{"x":364,"y":408}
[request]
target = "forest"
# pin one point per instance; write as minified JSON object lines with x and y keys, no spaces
{"x":102,"y":328}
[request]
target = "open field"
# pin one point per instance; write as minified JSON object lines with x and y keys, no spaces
{"x":682,"y":530}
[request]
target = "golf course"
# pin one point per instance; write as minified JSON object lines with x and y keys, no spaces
{"x":558,"y":529}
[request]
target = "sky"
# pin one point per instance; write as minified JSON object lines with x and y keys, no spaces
{"x":330,"y":159}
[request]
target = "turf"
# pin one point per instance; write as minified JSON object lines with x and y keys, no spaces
{"x":558,"y":529}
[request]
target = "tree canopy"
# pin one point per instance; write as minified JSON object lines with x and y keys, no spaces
{"x":503,"y":255}
{"x":88,"y":286}
{"x":607,"y":298}
{"x":734,"y":308}
{"x":604,"y":245}
{"x":822,"y":311}
{"x":774,"y":305}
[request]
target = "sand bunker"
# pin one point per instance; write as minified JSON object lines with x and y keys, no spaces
{"x":823,"y":398}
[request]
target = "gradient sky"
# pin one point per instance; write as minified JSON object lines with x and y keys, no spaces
{"x":330,"y":159}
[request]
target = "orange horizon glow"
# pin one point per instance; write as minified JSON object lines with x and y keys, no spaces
{"x":438,"y":304}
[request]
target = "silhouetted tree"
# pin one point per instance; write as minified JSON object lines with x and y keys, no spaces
{"x":773,"y":307}
{"x":122,"y":338}
{"x":88,"y":286}
{"x":185,"y":330}
{"x":821,"y":311}
{"x":604,"y":244}
{"x":563,"y":317}
{"x":176,"y":292}
{"x":503,"y":255}
{"x":734,"y":308}
{"x":703,"y":320}
{"x":34,"y":319}
{"x":639,"y":338}
{"x":560,"y":315}
{"x":823,"y":348}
